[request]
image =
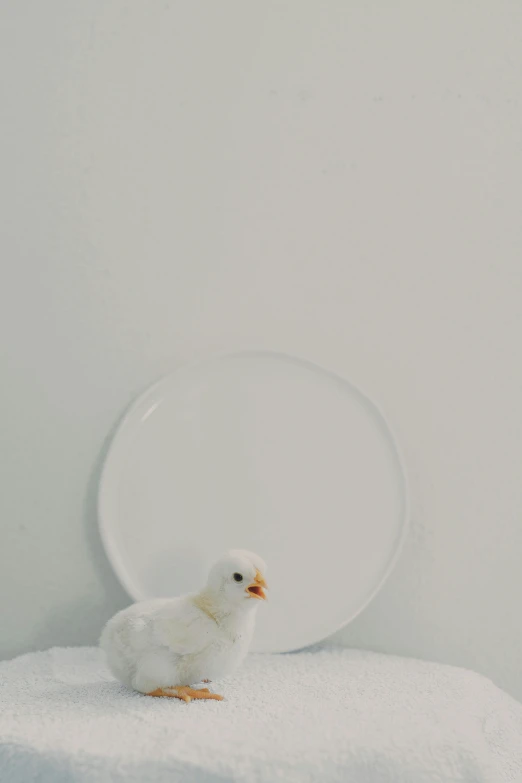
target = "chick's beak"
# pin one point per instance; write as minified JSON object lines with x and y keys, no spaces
{"x":255,"y":589}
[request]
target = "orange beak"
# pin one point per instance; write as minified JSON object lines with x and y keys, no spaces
{"x":255,"y":590}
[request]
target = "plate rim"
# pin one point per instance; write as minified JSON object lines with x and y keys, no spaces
{"x":149,"y":395}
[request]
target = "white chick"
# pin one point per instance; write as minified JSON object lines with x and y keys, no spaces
{"x":163,"y":646}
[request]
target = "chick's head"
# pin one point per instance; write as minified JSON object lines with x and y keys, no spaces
{"x":239,"y":577}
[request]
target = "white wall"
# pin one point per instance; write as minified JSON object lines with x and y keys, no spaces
{"x":340,"y":180}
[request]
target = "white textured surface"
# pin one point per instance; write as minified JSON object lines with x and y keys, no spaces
{"x":333,"y":715}
{"x":337,"y":180}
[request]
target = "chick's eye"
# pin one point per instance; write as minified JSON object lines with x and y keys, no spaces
{"x":238,"y":577}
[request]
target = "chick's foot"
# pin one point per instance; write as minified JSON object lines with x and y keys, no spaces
{"x":185,"y":693}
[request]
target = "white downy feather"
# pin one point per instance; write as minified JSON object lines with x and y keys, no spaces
{"x":169,"y":642}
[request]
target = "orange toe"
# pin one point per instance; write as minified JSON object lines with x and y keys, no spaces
{"x":185,"y":693}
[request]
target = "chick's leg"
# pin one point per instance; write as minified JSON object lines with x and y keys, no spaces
{"x":185,"y":693}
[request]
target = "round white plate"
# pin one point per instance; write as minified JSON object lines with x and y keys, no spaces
{"x":264,"y":452}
